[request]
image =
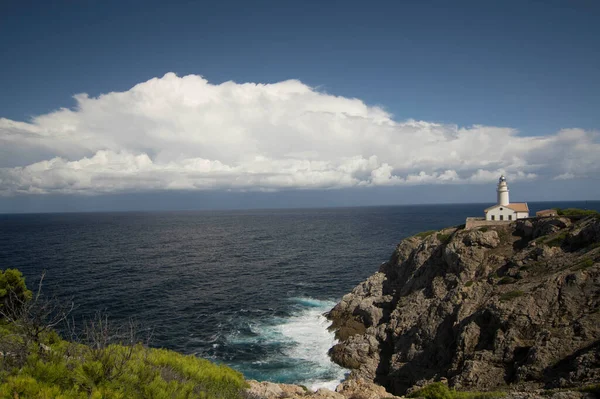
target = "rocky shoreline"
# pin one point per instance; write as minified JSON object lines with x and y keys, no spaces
{"x":500,"y":306}
{"x":512,"y":308}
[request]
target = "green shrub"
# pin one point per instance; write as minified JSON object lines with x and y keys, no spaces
{"x":484,"y":229}
{"x":78,"y":371}
{"x":438,"y":390}
{"x":469,"y":283}
{"x":507,"y":296}
{"x":425,"y":234}
{"x":557,"y":241}
{"x":13,"y":291}
{"x":593,"y":389}
{"x":506,"y":280}
{"x":443,"y":237}
{"x":42,"y":365}
{"x":584,"y":264}
{"x":576,"y":212}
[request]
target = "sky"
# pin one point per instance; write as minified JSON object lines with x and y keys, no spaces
{"x":128,"y":104}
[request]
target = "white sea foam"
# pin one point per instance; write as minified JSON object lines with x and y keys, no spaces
{"x":298,"y":347}
{"x":308,"y":330}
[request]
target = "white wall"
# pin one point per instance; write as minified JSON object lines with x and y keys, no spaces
{"x":499,"y":211}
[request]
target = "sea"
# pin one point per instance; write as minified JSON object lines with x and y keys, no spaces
{"x":247,"y":288}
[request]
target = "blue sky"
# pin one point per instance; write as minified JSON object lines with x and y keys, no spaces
{"x":531,"y":66}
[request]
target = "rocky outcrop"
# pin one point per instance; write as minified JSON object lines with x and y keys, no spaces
{"x":514,"y":305}
{"x":351,"y":389}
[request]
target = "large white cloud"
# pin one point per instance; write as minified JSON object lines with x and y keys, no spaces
{"x":185,"y":133}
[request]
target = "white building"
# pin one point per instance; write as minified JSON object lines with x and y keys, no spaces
{"x":504,"y":210}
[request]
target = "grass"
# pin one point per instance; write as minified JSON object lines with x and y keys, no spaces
{"x":510,"y":295}
{"x":438,"y":390}
{"x":425,"y":234}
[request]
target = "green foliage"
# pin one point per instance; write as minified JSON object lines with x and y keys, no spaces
{"x":438,"y":390}
{"x":576,"y":212}
{"x":506,"y":280}
{"x":593,"y":389}
{"x":507,"y":296}
{"x":69,"y":370}
{"x":584,"y":264}
{"x":469,"y":283}
{"x":484,"y":229}
{"x":558,"y":240}
{"x":13,"y":291}
{"x":42,"y":365}
{"x":443,"y":237}
{"x":425,"y":234}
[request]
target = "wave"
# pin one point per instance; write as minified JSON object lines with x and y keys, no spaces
{"x":291,"y":349}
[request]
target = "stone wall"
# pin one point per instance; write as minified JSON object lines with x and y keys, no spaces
{"x":473,"y":222}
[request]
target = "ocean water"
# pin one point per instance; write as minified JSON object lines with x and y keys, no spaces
{"x":244,"y":288}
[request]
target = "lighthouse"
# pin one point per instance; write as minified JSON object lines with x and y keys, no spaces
{"x":504,"y":210}
{"x":502,"y":191}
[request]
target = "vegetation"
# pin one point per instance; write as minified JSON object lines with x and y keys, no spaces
{"x":558,"y":240}
{"x":507,"y":280}
{"x":593,"y":389}
{"x":13,"y":292}
{"x":584,"y":264}
{"x":507,"y":296}
{"x":577,"y":212}
{"x":443,"y":237}
{"x":438,"y":390}
{"x":425,"y":234}
{"x":37,"y":363}
{"x":469,"y":283}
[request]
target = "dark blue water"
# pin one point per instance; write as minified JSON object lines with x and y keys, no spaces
{"x":246,"y":288}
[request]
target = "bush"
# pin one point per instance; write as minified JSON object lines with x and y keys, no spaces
{"x":557,"y":241}
{"x":425,"y":234}
{"x":576,"y":212}
{"x":507,"y":296}
{"x":13,"y":292}
{"x":443,"y":237}
{"x":39,"y":364}
{"x":584,"y":264}
{"x":70,"y":370}
{"x":506,"y":280}
{"x":438,"y":390}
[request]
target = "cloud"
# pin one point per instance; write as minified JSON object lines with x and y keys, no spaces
{"x":183,"y":133}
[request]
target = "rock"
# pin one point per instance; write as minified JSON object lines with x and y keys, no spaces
{"x":264,"y":390}
{"x":484,"y":309}
{"x":361,"y":389}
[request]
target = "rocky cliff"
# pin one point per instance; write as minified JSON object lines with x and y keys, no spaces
{"x":509,"y":305}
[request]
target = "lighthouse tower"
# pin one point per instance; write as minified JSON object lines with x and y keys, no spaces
{"x":504,"y":210}
{"x":502,"y":191}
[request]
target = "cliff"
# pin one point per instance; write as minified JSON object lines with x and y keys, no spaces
{"x":509,"y":306}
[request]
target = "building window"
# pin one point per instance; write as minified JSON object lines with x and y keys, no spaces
{"x":501,"y":208}
{"x":509,"y":217}
{"x":493,"y":217}
{"x":501,"y":217}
